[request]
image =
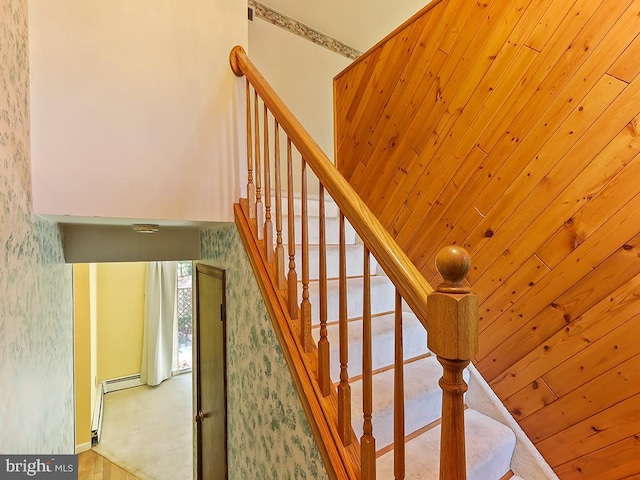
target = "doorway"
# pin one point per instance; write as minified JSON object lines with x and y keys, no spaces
{"x":210,"y":386}
{"x":114,"y":295}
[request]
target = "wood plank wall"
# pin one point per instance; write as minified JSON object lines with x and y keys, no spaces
{"x":512,"y":127}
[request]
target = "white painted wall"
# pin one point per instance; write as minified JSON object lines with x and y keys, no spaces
{"x":133,"y":108}
{"x":301,"y":72}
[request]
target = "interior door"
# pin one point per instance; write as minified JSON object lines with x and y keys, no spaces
{"x":210,"y":373}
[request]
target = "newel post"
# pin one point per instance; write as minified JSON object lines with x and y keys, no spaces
{"x":452,"y":323}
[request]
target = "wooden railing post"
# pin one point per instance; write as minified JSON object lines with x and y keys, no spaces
{"x":452,"y":323}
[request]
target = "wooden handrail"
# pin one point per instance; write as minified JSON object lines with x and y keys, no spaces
{"x":413,"y":287}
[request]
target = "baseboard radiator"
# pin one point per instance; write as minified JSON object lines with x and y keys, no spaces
{"x":107,"y":386}
{"x":120,"y":383}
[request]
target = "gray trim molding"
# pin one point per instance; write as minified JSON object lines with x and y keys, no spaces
{"x":276,"y":18}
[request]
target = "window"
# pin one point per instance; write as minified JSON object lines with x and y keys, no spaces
{"x":185,"y":316}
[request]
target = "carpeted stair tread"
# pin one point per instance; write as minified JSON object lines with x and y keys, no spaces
{"x":489,"y":448}
{"x":423,"y":400}
{"x":414,"y":338}
{"x":382,"y":297}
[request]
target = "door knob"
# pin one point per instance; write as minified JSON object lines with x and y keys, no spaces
{"x":200,"y":416}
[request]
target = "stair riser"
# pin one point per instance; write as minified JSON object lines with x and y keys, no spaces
{"x":382,"y":298}
{"x":423,"y":400}
{"x":414,"y":343}
{"x":332,"y":227}
{"x":354,"y":255}
{"x":313,"y":206}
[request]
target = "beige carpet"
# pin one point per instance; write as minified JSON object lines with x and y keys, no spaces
{"x":148,"y":430}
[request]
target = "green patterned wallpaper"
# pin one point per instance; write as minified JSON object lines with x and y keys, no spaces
{"x":36,"y":310}
{"x":269,"y":436}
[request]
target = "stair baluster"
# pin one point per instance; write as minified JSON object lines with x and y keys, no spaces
{"x":280,"y":278}
{"x":324,"y":378}
{"x":452,"y":321}
{"x":292,"y":277}
{"x":251,"y":188}
{"x":268,"y":224}
{"x":398,"y":395}
{"x":305,"y":306}
{"x":259,"y":207}
{"x":367,"y":441}
{"x":344,"y":389}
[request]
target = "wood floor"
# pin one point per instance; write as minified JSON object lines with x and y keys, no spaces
{"x":92,"y":466}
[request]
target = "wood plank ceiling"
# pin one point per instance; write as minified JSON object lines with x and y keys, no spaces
{"x":512,"y":128}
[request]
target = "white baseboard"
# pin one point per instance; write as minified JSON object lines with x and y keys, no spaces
{"x":83,"y":447}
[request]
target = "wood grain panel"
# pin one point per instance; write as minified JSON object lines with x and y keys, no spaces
{"x":556,"y":62}
{"x":598,"y":358}
{"x":417,"y":79}
{"x":457,"y":142}
{"x":389,"y":73}
{"x":581,"y":192}
{"x":591,"y":398}
{"x":476,"y":112}
{"x":525,"y":335}
{"x":530,"y":399}
{"x":574,"y":338}
{"x":585,"y":77}
{"x":595,"y":205}
{"x":548,"y":24}
{"x":611,"y":426}
{"x":434,"y":115}
{"x":537,"y":181}
{"x":472,"y":213}
{"x":514,"y":287}
{"x":512,"y":128}
{"x":627,"y":66}
{"x":619,"y":460}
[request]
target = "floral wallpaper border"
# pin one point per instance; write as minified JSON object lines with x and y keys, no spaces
{"x":305,"y":31}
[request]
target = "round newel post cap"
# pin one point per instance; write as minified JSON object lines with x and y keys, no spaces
{"x":233,"y":60}
{"x":453,"y":263}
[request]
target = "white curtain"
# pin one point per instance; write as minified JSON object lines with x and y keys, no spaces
{"x":159,"y":322}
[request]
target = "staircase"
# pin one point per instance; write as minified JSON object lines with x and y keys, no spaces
{"x":489,"y":443}
{"x":372,"y":391}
